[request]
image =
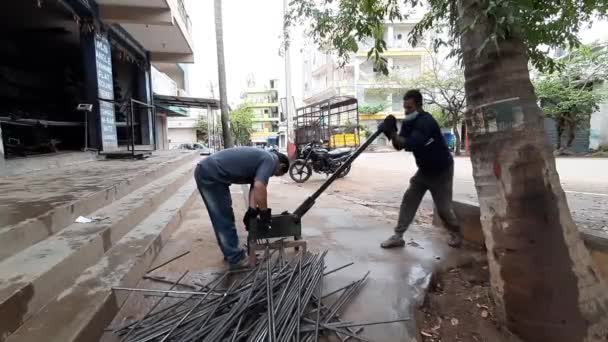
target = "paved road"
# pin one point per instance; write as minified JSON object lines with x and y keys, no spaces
{"x":383,"y":177}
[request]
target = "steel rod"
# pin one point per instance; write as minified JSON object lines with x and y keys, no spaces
{"x":132,"y":329}
{"x":338,"y":269}
{"x":164,"y":281}
{"x":167,"y":262}
{"x":189,"y":312}
{"x":320,"y":290}
{"x":194,"y":293}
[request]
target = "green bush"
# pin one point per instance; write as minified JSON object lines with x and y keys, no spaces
{"x":371,"y":108}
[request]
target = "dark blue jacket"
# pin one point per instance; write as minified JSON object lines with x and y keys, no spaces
{"x":423,"y":137}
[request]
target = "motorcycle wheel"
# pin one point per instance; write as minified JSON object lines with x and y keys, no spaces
{"x":344,"y":172}
{"x":299,"y":171}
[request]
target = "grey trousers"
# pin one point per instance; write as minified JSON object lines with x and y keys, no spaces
{"x":440,"y":186}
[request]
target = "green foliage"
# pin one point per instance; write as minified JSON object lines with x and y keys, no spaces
{"x":241,"y":121}
{"x":568,"y":95}
{"x":339,"y":24}
{"x":371,"y":108}
{"x":443,"y":86}
{"x":202,"y":129}
{"x":569,"y":92}
{"x":443,"y":119}
{"x":350,"y":127}
{"x":567,"y":102}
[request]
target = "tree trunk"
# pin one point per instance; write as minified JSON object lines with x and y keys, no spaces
{"x":545,"y":284}
{"x":456,"y":138}
{"x":571,"y":134}
{"x":560,"y":132}
{"x":221,"y":70}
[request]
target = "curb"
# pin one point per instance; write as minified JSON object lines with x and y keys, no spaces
{"x":469,"y":215}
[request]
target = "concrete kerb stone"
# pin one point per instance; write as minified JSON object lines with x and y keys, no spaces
{"x":14,"y":239}
{"x":53,"y":264}
{"x":82,"y":311}
{"x":469,"y":215}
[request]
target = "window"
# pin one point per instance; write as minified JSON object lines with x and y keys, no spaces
{"x":265,"y":111}
{"x":399,"y":36}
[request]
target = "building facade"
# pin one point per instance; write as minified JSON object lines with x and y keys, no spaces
{"x":324,"y":78}
{"x":99,"y":54}
{"x":266,"y":114}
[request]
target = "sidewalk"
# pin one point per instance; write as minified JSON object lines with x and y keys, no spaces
{"x":351,"y":233}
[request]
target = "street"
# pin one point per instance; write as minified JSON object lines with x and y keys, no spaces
{"x":379,"y":179}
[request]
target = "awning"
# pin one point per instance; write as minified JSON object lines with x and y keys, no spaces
{"x":176,"y":105}
{"x":172,"y":111}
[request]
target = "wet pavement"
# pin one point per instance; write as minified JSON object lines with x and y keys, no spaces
{"x":35,"y":193}
{"x":350,"y":232}
{"x":378,"y":180}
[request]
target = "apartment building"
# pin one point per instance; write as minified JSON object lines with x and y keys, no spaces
{"x":324,"y":78}
{"x":266,"y":118}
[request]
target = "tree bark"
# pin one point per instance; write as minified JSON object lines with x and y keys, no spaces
{"x":221,"y":70}
{"x":571,"y":133}
{"x":545,"y":284}
{"x":560,"y":132}
{"x":456,"y":137}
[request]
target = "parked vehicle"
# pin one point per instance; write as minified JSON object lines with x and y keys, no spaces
{"x":335,"y":121}
{"x":315,"y":157}
{"x":204,"y":151}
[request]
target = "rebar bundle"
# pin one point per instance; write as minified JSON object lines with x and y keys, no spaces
{"x":279,"y":300}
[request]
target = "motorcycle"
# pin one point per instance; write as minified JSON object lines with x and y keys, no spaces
{"x":317,"y":158}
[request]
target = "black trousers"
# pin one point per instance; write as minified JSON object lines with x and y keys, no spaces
{"x":440,"y":186}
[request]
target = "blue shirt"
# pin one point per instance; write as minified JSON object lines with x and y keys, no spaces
{"x":239,"y":165}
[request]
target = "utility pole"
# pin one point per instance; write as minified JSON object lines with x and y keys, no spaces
{"x":288,"y":95}
{"x":209,"y":113}
{"x":221,"y":70}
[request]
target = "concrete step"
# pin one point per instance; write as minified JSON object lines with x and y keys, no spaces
{"x":33,"y":277}
{"x":83,"y":309}
{"x":31,"y":229}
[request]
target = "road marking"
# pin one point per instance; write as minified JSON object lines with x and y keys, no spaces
{"x":586,"y":193}
{"x":566,"y":191}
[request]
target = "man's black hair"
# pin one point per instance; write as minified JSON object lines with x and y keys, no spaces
{"x":414,"y":94}
{"x":283,"y":160}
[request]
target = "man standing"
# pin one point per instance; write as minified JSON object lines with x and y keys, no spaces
{"x":421,"y":135}
{"x":239,"y":165}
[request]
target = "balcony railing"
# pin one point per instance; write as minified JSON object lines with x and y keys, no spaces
{"x":184,"y":14}
{"x":163,"y":84}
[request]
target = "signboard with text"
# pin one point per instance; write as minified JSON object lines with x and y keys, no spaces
{"x":105,"y":91}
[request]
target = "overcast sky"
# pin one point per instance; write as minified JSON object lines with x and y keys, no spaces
{"x":252,"y":30}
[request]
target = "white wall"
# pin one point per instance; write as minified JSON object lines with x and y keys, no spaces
{"x":178,"y":136}
{"x":163,"y":84}
{"x":408,"y":67}
{"x":598,"y":131}
{"x":161,"y":133}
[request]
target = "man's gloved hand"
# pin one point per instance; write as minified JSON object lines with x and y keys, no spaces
{"x":265,"y":219}
{"x":388,"y":126}
{"x":251,"y":213}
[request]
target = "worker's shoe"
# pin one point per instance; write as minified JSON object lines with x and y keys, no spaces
{"x":393,"y":241}
{"x":243,"y":263}
{"x":455,"y":239}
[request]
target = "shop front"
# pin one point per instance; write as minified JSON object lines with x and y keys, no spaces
{"x":69,"y":81}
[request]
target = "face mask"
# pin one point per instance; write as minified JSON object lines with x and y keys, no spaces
{"x":411,"y":116}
